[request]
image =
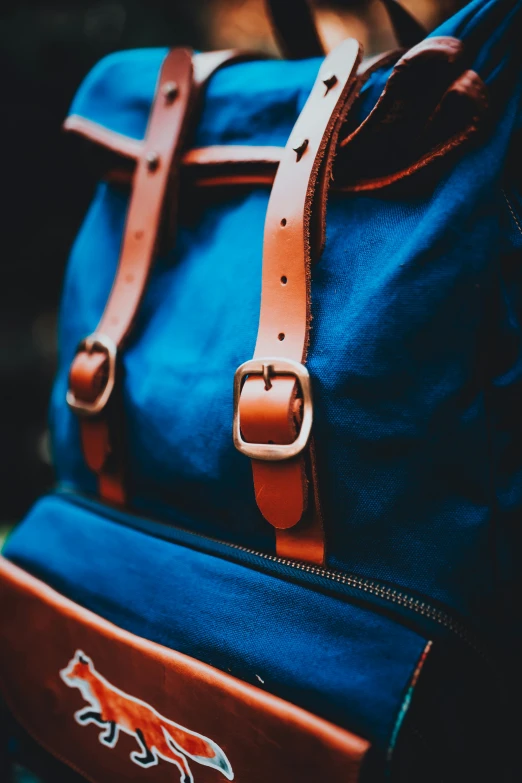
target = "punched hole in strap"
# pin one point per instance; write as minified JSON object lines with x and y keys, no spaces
{"x":299,"y":148}
{"x":329,"y":80}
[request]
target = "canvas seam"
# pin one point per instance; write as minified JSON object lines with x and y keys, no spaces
{"x":512,"y":211}
{"x":406,"y":703}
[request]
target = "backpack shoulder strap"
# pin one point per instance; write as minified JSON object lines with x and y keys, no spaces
{"x":273,"y":401}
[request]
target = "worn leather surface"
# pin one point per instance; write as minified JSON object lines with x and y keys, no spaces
{"x":294,"y":230}
{"x":253,"y":736}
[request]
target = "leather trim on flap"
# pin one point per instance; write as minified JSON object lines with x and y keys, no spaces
{"x":430,"y":100}
{"x":115,"y":706}
{"x":99,"y":134}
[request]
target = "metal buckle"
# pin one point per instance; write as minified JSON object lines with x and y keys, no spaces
{"x":103,"y":344}
{"x":268,"y":367}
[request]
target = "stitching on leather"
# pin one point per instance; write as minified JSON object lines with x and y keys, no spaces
{"x":513,"y":214}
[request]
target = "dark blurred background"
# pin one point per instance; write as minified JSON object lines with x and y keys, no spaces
{"x":46,"y":48}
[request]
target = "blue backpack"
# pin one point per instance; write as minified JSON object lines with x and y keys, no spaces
{"x":285,"y":540}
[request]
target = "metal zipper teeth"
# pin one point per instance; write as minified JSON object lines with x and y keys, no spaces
{"x":372,"y":587}
{"x":365,"y":585}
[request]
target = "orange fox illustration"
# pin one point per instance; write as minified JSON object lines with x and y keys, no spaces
{"x":158,"y":737}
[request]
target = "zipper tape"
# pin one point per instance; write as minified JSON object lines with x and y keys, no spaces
{"x":404,"y":607}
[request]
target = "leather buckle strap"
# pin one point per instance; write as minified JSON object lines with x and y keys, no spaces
{"x":150,"y":222}
{"x":155,"y":180}
{"x":96,"y":343}
{"x":269,"y":367}
{"x":273,"y":420}
{"x":152,"y":205}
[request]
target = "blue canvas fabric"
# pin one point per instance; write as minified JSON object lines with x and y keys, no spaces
{"x":410,"y":315}
{"x":416,"y":361}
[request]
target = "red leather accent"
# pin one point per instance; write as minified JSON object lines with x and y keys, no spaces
{"x":281,"y":490}
{"x":294,"y":231}
{"x":305,"y":541}
{"x":222,"y":726}
{"x":151,"y":213}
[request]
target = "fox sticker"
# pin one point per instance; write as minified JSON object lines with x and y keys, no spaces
{"x":157,"y":737}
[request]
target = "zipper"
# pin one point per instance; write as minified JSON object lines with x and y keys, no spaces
{"x":512,"y":211}
{"x":366,"y":589}
{"x":370,"y":586}
{"x":385,"y":593}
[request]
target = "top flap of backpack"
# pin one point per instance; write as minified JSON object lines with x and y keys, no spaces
{"x":255,"y":103}
{"x":248,"y":103}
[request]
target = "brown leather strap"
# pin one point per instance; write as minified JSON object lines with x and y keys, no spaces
{"x":298,"y":37}
{"x":93,"y":371}
{"x":152,"y":210}
{"x":273,"y":409}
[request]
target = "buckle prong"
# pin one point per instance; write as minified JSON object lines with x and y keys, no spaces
{"x":269,"y":367}
{"x":267,"y":372}
{"x":103,"y":344}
